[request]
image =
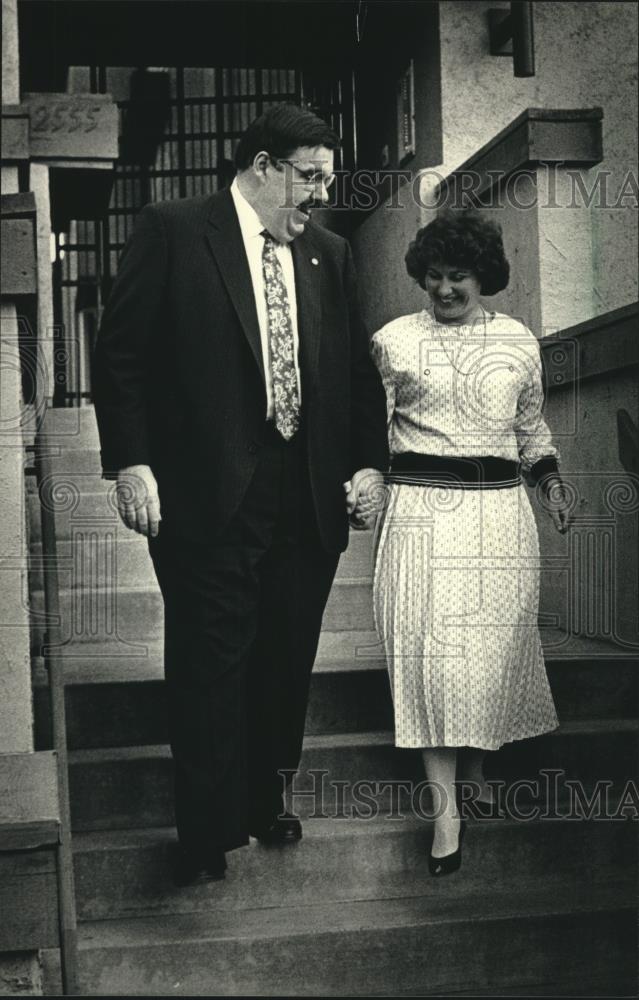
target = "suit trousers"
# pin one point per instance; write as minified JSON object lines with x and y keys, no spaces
{"x":243,"y":614}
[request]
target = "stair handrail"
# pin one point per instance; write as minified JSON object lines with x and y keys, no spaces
{"x":51,"y":649}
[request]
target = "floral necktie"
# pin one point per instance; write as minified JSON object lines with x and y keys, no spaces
{"x":282,"y":346}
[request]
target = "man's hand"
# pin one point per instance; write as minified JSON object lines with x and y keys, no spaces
{"x":364,"y":497}
{"x":138,"y":500}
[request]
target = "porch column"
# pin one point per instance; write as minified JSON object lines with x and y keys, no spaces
{"x":39,"y":184}
{"x":20,"y":971}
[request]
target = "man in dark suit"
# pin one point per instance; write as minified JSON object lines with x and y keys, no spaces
{"x":235,"y":397}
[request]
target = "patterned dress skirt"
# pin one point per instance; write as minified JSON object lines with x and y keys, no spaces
{"x":456,"y":594}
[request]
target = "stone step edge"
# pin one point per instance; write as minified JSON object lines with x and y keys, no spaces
{"x":353,"y":916}
{"x":97,"y":841}
{"x":159,"y":751}
{"x":332,"y":829}
{"x":127,"y":536}
{"x":152,"y":672}
{"x":343,"y":740}
{"x":340,"y":581}
{"x":571,"y":646}
{"x":88,"y":663}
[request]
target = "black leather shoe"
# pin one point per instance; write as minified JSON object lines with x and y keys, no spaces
{"x":450,"y":862}
{"x":190,"y":869}
{"x":284,"y":830}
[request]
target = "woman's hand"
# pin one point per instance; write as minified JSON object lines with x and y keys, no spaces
{"x":557,"y":502}
{"x":364,"y":495}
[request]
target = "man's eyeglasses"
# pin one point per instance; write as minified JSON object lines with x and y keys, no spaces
{"x":313,"y":178}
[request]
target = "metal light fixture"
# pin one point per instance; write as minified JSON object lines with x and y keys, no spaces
{"x":512,"y":34}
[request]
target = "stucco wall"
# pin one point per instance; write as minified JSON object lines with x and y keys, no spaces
{"x":549,"y":247}
{"x":589,"y":576}
{"x":10,"y":55}
{"x":379,"y":246}
{"x":20,"y":975}
{"x":585,"y":57}
{"x":10,"y":78}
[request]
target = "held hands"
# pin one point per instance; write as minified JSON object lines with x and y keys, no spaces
{"x":138,"y":500}
{"x":364,"y":497}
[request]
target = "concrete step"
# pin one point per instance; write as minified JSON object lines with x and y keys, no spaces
{"x":125,"y":704}
{"x":131,"y":787}
{"x":131,"y":714}
{"x":137,"y":614}
{"x":113,"y":660}
{"x":67,"y":460}
{"x":101,"y":551}
{"x":122,"y":873}
{"x":563,"y":933}
{"x":82,"y":503}
{"x":116,"y":661}
{"x":70,"y":429}
{"x":111,"y":557}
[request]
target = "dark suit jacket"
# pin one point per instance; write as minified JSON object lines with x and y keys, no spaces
{"x":178,"y":375}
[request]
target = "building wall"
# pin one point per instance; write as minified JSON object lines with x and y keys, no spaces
{"x":585,"y":57}
{"x":589,"y":575}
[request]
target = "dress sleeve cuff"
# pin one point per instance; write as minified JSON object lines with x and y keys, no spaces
{"x":544,"y":467}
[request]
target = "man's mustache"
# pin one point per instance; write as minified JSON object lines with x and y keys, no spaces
{"x":308,"y":205}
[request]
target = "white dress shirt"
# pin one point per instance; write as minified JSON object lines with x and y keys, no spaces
{"x":251,"y":228}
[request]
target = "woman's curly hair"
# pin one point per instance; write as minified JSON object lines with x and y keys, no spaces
{"x":464,"y":239}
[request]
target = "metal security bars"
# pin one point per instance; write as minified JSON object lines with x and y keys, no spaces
{"x":206,"y":112}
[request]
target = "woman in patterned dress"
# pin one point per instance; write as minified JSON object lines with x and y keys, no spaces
{"x":456,"y":581}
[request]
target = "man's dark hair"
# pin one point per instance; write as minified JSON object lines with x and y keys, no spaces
{"x":280,"y":131}
{"x":464,"y":239}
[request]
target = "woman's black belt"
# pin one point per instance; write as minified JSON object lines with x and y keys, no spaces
{"x":486,"y":473}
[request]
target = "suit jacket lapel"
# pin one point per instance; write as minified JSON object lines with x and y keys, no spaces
{"x":308,"y":277}
{"x":224,"y":237}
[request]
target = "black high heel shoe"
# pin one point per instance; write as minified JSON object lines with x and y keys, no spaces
{"x":450,"y":862}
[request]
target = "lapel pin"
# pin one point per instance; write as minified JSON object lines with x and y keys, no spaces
{"x":314,"y":260}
